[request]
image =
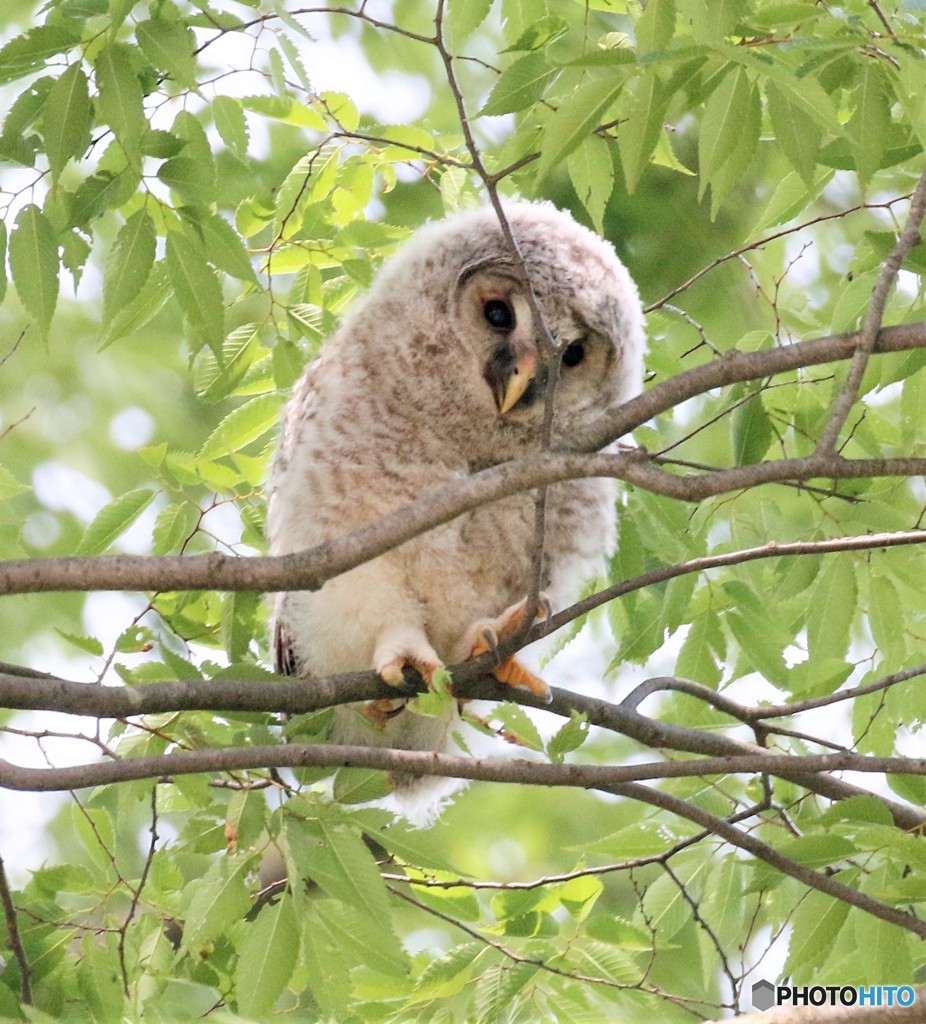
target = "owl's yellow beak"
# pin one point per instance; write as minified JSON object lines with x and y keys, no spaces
{"x":522,"y":373}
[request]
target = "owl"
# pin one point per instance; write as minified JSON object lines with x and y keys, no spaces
{"x":438,"y":373}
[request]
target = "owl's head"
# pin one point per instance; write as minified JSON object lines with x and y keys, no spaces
{"x":484,"y":324}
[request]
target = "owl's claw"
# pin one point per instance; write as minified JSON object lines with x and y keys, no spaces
{"x":487,"y":636}
{"x":392,"y":674}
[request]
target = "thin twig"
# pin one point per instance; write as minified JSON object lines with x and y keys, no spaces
{"x":13,"y":936}
{"x":909,"y":237}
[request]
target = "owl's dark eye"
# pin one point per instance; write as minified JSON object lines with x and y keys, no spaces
{"x":498,"y":314}
{"x":574,"y":354}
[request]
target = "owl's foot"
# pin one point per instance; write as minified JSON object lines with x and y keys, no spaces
{"x":487,"y":636}
{"x":391,"y":671}
{"x":380,"y":711}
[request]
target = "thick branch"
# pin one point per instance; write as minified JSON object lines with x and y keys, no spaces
{"x":309,"y":569}
{"x":605,"y":778}
{"x":470,"y":680}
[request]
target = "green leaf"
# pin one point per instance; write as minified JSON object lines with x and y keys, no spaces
{"x":169,"y":45}
{"x":192,"y":181}
{"x":360,"y":785}
{"x":818,"y":850}
{"x":577,"y":116}
{"x":28,"y":51}
{"x":868,"y":126}
{"x":98,"y":981}
{"x":225,"y":249}
{"x":520,"y":85}
{"x":656,"y":26}
{"x":231,"y":123}
{"x":113,"y":520}
{"x":519,"y":726}
{"x":344,"y":867}
{"x":215,"y":901}
{"x":751,"y":431}
{"x":696,"y":658}
{"x":817,"y":924}
{"x":141,"y":308}
{"x":724,"y":114}
{"x":325,"y":963}
{"x":567,"y":738}
{"x":243,"y":425}
{"x":129,"y":264}
{"x":120,"y":102}
{"x":175,"y":523}
{"x":540,"y":33}
{"x":831,"y":609}
{"x":462,"y":18}
{"x":885,"y":617}
{"x":266,"y":958}
{"x":797,"y":132}
{"x":87,"y":644}
{"x":644,"y":108}
{"x":9,"y":485}
{"x":592,"y":174}
{"x":3,"y":245}
{"x":196,"y":286}
{"x":66,"y":119}
{"x":34,"y":265}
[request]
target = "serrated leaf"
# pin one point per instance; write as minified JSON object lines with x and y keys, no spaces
{"x":169,"y":45}
{"x":644,"y":109}
{"x":540,"y":33}
{"x":696,"y":658}
{"x":832,"y":609}
{"x":66,"y":119}
{"x":592,"y":174}
{"x":218,"y":899}
{"x":518,"y":725}
{"x":520,"y":85}
{"x":99,"y":983}
{"x":815,"y":927}
{"x":868,"y":126}
{"x":225,"y":249}
{"x":174,"y":524}
{"x":243,"y":425}
{"x":462,"y":18}
{"x":87,"y":644}
{"x":193,"y":182}
{"x":818,"y":850}
{"x":33,"y":48}
{"x":797,"y":132}
{"x":344,"y":867}
{"x":9,"y":485}
{"x":141,"y":308}
{"x":325,"y":963}
{"x":113,"y":520}
{"x":267,"y":957}
{"x":231,"y":123}
{"x":656,"y":26}
{"x":196,"y":287}
{"x":577,"y":116}
{"x":34,"y":265}
{"x":751,"y":431}
{"x":129,"y":264}
{"x":567,"y":738}
{"x":3,"y":245}
{"x":360,"y":785}
{"x":119,"y":101}
{"x":724,"y":113}
{"x":885,"y":617}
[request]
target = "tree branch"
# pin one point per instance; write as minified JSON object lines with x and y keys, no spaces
{"x":617,"y":780}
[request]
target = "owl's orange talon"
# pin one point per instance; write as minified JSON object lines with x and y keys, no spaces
{"x":391,"y":672}
{"x":512,"y":673}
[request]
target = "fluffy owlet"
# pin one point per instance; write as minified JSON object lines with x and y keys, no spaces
{"x":437,"y":373}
